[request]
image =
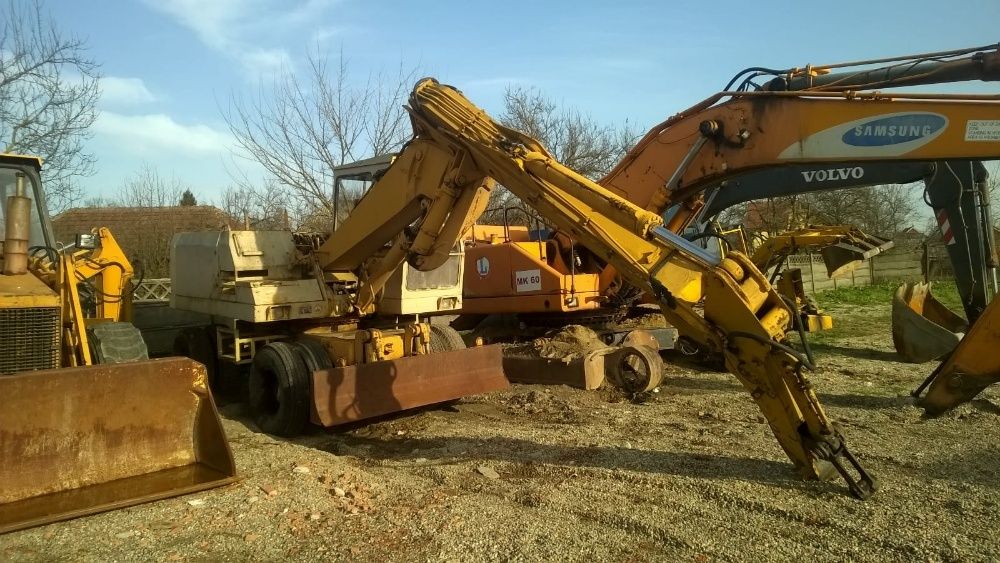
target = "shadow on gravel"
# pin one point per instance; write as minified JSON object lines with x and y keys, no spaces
{"x":859,"y":353}
{"x":871,"y":402}
{"x":979,"y":467}
{"x":530,"y":459}
{"x":703,"y":383}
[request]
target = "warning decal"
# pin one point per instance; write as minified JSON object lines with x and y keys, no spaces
{"x":982,"y":130}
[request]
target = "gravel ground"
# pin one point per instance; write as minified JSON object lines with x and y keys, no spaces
{"x":551,"y":473}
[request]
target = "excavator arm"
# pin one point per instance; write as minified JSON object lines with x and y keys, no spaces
{"x":457,"y":149}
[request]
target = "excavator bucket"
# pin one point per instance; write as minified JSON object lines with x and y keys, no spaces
{"x":973,"y":366}
{"x":77,"y":441}
{"x":846,"y":256}
{"x":922,"y":328}
{"x":352,"y":393}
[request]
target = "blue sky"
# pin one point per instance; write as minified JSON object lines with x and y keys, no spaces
{"x":171,"y":65}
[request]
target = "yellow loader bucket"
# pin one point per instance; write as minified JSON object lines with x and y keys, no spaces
{"x":922,"y":328}
{"x":82,"y":440}
{"x":973,"y":366}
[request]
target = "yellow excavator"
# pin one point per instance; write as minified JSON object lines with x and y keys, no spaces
{"x":457,"y":148}
{"x":843,"y":248}
{"x":88,"y":422}
{"x":571,"y":282}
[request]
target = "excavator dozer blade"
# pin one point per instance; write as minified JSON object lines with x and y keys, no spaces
{"x":348,"y":394}
{"x":922,"y":328}
{"x":973,"y":366}
{"x":77,"y":441}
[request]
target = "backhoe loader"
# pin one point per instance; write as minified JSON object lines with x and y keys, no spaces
{"x":87,"y":422}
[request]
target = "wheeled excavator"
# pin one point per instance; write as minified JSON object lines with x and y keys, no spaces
{"x":87,"y":422}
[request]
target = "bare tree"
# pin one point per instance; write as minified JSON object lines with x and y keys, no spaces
{"x":575,"y":139}
{"x":304,"y":126}
{"x":879,"y":210}
{"x":264,"y":208}
{"x":146,"y":188}
{"x":49,"y":91}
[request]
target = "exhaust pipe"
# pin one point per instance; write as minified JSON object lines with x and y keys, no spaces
{"x":15,"y":246}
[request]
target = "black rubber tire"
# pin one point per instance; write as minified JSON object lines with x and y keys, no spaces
{"x":197,"y":343}
{"x":445,"y":339}
{"x":314,"y":355}
{"x":116,"y":343}
{"x":280,"y":389}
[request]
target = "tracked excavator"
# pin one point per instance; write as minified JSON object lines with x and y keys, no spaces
{"x":951,"y":142}
{"x":457,"y":147}
{"x":87,"y":422}
{"x":573,"y":283}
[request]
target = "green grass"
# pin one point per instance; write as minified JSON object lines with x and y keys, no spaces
{"x":881,"y":294}
{"x":865,"y":311}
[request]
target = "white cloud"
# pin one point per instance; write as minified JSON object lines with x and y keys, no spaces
{"x":159,"y":132}
{"x":238,"y":28}
{"x":116,"y":90}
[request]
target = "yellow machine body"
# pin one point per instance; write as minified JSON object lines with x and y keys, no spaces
{"x":78,"y":436}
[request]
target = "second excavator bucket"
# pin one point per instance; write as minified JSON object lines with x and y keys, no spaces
{"x":352,"y":393}
{"x":922,"y":328}
{"x":77,"y":441}
{"x":973,"y":366}
{"x":846,"y":256}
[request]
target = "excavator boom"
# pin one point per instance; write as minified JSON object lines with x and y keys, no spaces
{"x":744,"y":319}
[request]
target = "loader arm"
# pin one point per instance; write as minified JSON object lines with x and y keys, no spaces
{"x":744,"y":319}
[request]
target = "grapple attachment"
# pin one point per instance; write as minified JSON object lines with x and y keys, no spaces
{"x":922,"y":328}
{"x":77,"y":441}
{"x":973,"y":366}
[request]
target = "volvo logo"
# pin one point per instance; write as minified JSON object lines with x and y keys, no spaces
{"x":833,"y":174}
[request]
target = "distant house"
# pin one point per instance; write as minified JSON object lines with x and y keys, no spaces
{"x":143,"y":232}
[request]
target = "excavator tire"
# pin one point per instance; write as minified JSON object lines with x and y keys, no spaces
{"x":196,"y":343}
{"x":313,"y":355}
{"x":445,"y":339}
{"x":280,"y":386}
{"x":116,"y":343}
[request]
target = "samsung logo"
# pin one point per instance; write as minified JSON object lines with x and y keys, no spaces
{"x":833,"y":174}
{"x":894,"y":130}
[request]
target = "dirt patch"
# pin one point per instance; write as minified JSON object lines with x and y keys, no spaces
{"x":540,"y":473}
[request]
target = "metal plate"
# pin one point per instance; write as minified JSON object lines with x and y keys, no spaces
{"x":352,"y":393}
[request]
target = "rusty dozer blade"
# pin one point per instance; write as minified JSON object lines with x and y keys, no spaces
{"x":77,"y":441}
{"x":972,"y":367}
{"x":348,"y":394}
{"x":922,"y":328}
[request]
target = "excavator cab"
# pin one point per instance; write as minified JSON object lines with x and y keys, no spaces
{"x":87,"y":423}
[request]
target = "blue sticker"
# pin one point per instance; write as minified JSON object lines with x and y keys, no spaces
{"x":894,"y":130}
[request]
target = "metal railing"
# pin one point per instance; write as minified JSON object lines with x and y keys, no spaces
{"x":152,"y":290}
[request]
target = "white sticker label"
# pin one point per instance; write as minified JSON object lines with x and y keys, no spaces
{"x":528,"y":280}
{"x":982,"y":130}
{"x":483,"y":266}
